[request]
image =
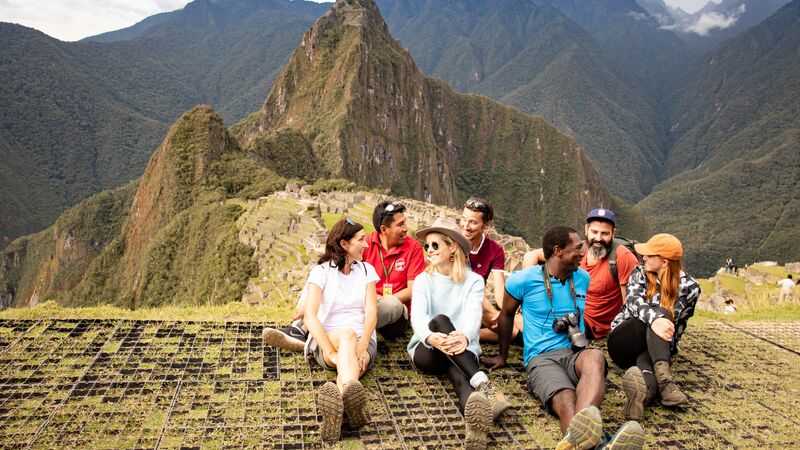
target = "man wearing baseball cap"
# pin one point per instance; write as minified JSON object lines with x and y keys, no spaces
{"x":609,"y":265}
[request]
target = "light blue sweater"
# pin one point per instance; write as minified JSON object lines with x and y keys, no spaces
{"x":435,"y":294}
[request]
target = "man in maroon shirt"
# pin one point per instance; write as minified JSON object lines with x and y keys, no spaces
{"x":396,"y":258}
{"x":606,"y":293}
{"x":486,"y":258}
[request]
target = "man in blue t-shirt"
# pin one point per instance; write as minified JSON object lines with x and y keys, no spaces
{"x":567,"y":378}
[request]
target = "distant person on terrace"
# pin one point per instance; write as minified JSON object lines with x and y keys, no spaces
{"x":397,"y":259}
{"x":341,"y":312}
{"x":786,"y":285}
{"x":644,"y":336}
{"x":446,"y":319}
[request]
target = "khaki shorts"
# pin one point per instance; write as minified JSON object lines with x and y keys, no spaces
{"x":313,"y":349}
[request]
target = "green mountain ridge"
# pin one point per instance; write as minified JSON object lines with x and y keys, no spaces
{"x":535,"y":59}
{"x":737,"y":155}
{"x":172,"y":237}
{"x":82,"y":117}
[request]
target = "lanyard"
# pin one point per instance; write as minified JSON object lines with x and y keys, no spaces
{"x":383,"y":264}
{"x":549,"y":289}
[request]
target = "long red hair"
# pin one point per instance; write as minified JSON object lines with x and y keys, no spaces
{"x":670,"y":285}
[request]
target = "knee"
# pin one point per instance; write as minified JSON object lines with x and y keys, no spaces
{"x":440,"y":324}
{"x":348,"y":336}
{"x":390,"y":310}
{"x":592,"y":361}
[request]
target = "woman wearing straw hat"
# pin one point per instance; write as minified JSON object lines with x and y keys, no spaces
{"x":341,"y":312}
{"x":645,"y":334}
{"x":446,"y":317}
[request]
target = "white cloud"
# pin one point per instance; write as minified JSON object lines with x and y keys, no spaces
{"x":71,"y":20}
{"x":707,"y":22}
{"x":711,"y":21}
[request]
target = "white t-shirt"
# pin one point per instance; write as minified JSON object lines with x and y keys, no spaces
{"x":786,"y":285}
{"x":347,"y":310}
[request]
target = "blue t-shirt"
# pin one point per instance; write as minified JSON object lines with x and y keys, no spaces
{"x":527,"y":287}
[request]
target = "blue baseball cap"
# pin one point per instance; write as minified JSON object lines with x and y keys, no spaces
{"x":602,"y":214}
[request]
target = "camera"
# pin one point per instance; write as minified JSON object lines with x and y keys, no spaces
{"x":571,"y":324}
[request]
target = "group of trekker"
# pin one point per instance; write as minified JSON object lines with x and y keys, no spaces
{"x":569,"y":291}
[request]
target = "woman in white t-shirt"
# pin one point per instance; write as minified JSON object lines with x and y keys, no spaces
{"x":340,"y":314}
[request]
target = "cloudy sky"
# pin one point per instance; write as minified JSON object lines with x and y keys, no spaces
{"x":71,"y":20}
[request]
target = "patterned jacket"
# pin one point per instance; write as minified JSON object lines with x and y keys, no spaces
{"x":636,"y":305}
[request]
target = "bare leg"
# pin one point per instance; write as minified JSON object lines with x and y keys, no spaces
{"x":590,"y":368}
{"x":563,"y":404}
{"x":344,"y":341}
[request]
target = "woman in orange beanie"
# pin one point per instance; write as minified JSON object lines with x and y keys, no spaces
{"x":645,"y":334}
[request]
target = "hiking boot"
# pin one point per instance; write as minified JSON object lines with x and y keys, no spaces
{"x":290,"y":338}
{"x":636,"y":391}
{"x":499,"y":402}
{"x":478,"y":419}
{"x":630,"y":436}
{"x":671,"y":395}
{"x":585,"y":430}
{"x":331,"y":408}
{"x":354,"y":397}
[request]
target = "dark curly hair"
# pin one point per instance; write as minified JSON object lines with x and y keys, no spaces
{"x":556,"y":237}
{"x":334,"y":252}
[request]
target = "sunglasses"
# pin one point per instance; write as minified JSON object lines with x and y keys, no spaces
{"x":476,"y":204}
{"x":390,"y":209}
{"x":433,"y":245}
{"x":350,"y":221}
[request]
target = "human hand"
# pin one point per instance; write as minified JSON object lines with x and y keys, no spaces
{"x":663,"y":328}
{"x":456,"y":342}
{"x":439,"y":341}
{"x":363,"y":361}
{"x":299,"y":311}
{"x":493,"y":362}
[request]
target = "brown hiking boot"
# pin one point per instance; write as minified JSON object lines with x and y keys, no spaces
{"x":671,"y":395}
{"x":331,"y":408}
{"x":354,"y":397}
{"x":478,"y":419}
{"x":499,"y":402}
{"x":636,"y":392}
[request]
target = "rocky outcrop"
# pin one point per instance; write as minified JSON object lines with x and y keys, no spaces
{"x":370,"y":116}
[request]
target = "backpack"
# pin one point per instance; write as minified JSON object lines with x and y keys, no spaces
{"x":612,"y":254}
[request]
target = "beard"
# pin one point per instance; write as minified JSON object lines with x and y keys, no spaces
{"x":600,"y":252}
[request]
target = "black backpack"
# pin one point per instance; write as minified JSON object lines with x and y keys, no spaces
{"x":612,"y":254}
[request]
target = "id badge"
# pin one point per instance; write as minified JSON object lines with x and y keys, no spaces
{"x":387,"y":289}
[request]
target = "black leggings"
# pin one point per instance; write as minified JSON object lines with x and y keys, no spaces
{"x":633,"y":342}
{"x":458,"y":368}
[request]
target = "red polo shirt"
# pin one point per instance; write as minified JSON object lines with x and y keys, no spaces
{"x":604,"y":297}
{"x":402,"y":264}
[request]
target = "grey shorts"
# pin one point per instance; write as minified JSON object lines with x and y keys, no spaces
{"x":316,"y":351}
{"x":551,"y":372}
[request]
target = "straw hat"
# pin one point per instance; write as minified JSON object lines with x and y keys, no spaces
{"x":448,"y":228}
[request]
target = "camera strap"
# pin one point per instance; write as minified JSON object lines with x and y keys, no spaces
{"x":548,"y":288}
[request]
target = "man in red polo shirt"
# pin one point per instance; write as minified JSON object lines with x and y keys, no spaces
{"x":397,"y":259}
{"x":606,"y":293}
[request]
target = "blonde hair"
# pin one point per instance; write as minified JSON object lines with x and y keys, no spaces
{"x":459,"y":259}
{"x":670,"y":285}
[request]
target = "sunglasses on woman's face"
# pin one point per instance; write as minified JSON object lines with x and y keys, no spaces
{"x":433,"y":245}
